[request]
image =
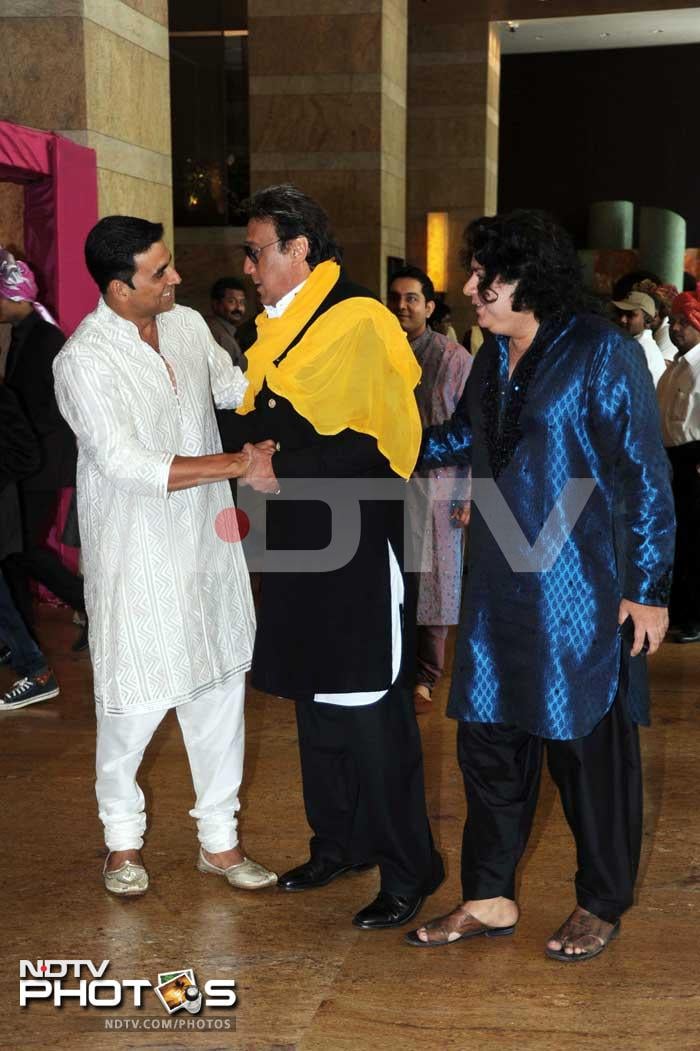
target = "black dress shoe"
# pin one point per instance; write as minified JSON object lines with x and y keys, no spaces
{"x":388,"y":910}
{"x":82,"y":641}
{"x":316,"y":872}
{"x":687,"y":633}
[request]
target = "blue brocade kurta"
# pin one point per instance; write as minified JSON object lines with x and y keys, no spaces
{"x":541,"y":650}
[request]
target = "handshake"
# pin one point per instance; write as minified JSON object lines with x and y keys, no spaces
{"x":255,"y":465}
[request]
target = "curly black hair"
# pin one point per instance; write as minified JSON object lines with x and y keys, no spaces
{"x":530,"y":249}
{"x":295,"y":214}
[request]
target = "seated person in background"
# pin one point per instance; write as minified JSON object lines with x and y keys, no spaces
{"x":635,"y":315}
{"x":229,"y":308}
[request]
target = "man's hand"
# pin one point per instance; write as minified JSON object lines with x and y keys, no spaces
{"x":259,"y":475}
{"x":237,"y":463}
{"x":650,"y":624}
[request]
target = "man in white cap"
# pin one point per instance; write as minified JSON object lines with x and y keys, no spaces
{"x":635,"y":314}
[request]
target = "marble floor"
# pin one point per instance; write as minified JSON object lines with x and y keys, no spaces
{"x":305,"y":978}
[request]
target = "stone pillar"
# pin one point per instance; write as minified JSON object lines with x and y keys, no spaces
{"x":452,"y":150}
{"x":97,"y":73}
{"x":328,"y":113}
{"x":611,"y":225}
{"x":662,"y":243}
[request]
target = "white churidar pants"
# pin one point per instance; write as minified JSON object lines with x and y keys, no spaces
{"x":212,"y":728}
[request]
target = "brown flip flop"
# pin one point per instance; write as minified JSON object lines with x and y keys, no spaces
{"x":472,"y":928}
{"x":582,"y":925}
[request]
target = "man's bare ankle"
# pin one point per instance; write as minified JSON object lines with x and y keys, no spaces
{"x":117,"y":858}
{"x":495,"y":911}
{"x":224,"y":858}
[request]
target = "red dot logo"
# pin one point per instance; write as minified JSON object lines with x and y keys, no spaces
{"x":232,"y":525}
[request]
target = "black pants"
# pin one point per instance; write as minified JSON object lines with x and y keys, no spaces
{"x":599,"y":778}
{"x":684,"y":608}
{"x":362,"y":773}
{"x":38,"y":562}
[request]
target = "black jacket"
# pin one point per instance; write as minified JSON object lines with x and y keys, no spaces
{"x":327,"y":632}
{"x":29,"y":373}
{"x":19,"y":457}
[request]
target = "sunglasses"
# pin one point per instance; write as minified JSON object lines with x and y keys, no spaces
{"x":254,"y":253}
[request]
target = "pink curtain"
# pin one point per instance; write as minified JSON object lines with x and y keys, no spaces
{"x":60,"y":207}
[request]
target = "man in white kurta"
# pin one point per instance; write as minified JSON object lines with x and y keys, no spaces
{"x":679,"y":404}
{"x":169,"y":602}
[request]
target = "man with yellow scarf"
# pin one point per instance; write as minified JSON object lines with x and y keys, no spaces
{"x":332,"y":381}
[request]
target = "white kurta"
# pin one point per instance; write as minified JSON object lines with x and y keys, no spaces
{"x":655,"y":359}
{"x":679,"y":400}
{"x":662,"y":338}
{"x":170,"y":608}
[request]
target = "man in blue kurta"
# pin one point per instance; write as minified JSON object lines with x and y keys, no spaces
{"x":560,"y":424}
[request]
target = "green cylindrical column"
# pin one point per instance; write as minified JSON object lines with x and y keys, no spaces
{"x":611,"y":224}
{"x":662,"y":243}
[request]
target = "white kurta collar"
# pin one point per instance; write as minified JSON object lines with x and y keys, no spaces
{"x":279,"y":308}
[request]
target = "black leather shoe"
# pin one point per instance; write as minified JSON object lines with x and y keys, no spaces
{"x":82,"y":641}
{"x":388,"y":910}
{"x":316,"y":872}
{"x":687,"y":633}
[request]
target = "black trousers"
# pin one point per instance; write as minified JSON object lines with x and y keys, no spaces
{"x":362,"y":773}
{"x":37,"y":562}
{"x":684,"y":607}
{"x":599,"y":778}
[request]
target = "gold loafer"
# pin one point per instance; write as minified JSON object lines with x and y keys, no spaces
{"x":128,"y":880}
{"x":246,"y":875}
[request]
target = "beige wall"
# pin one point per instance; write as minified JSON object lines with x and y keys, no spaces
{"x":96,"y":71}
{"x":452,"y":161}
{"x":327,"y":111}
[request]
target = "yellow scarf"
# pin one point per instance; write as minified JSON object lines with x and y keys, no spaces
{"x":353,"y":368}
